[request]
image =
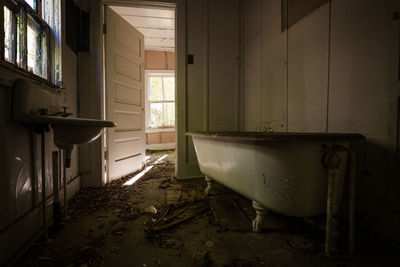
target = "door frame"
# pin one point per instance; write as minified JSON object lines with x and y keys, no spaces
{"x":180,"y":75}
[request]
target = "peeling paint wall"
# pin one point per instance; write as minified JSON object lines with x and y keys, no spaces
{"x":335,"y":70}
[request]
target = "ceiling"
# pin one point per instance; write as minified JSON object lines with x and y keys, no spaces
{"x":157,"y":26}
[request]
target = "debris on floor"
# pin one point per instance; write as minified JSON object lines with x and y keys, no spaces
{"x":151,"y":209}
{"x":229,"y":214}
{"x":178,"y":194}
{"x":172,"y":215}
{"x":159,"y":221}
{"x":201,"y":258}
{"x":301,"y":243}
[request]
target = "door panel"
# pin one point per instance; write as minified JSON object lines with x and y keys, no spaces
{"x":125,"y":96}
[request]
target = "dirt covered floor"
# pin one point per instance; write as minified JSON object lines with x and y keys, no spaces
{"x":159,"y":221}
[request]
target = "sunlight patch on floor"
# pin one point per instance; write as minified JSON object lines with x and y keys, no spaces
{"x":160,"y":159}
{"x":138,"y":176}
{"x":147,"y":159}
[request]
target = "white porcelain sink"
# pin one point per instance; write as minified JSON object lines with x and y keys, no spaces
{"x":67,"y":130}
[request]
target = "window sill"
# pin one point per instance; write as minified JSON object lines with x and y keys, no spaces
{"x":160,"y":129}
{"x":10,"y":73}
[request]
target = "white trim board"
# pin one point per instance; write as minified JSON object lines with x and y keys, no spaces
{"x":160,"y":130}
{"x":166,"y":146}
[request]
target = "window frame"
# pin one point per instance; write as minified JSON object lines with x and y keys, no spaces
{"x":148,"y":74}
{"x":25,"y":11}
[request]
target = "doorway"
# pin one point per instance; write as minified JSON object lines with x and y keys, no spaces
{"x":140,"y":86}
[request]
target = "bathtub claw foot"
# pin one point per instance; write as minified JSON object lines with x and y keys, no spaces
{"x":210,"y":189}
{"x":257,"y":222}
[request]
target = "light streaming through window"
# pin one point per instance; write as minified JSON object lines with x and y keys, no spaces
{"x":37,"y":62}
{"x":32,"y":37}
{"x":8,"y":36}
{"x":162,"y":100}
{"x":51,"y":13}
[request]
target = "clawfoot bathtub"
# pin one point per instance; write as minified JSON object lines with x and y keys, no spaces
{"x":288,"y":173}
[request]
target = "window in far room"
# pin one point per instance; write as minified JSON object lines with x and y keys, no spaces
{"x":161,"y":99}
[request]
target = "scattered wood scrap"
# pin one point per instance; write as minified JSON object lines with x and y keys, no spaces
{"x":171,"y":215}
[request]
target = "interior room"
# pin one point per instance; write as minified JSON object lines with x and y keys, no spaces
{"x":199,"y":133}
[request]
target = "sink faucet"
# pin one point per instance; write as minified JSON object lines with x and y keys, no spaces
{"x":63,"y":113}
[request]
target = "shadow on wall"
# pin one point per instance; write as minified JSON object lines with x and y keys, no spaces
{"x":386,"y":186}
{"x":15,"y":164}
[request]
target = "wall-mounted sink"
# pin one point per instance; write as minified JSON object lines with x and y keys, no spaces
{"x":31,"y":105}
{"x":31,"y":99}
{"x":67,"y":130}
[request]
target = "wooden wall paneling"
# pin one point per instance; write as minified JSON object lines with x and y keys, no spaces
{"x":362,"y":97}
{"x":196,"y":104}
{"x":308,"y":72}
{"x":274,"y":68}
{"x":253,"y":64}
{"x":223,"y":65}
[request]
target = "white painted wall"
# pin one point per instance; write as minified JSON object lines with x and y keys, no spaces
{"x":307,"y":72}
{"x":290,"y":85}
{"x":20,"y":192}
{"x":265,"y":72}
{"x":212,"y":82}
{"x":90,"y":64}
{"x":309,"y":80}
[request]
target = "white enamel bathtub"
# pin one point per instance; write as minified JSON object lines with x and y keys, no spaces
{"x":295,"y":174}
{"x":281,"y":171}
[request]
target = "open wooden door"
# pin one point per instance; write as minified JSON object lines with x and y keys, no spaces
{"x":124,"y":68}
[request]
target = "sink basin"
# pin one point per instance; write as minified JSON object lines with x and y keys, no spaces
{"x":67,"y":130}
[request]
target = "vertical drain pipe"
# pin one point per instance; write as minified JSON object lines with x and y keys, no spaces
{"x":333,"y":203}
{"x":352,"y":192}
{"x":56,"y":200}
{"x":65,"y":181}
{"x":44,"y":197}
{"x":331,"y":231}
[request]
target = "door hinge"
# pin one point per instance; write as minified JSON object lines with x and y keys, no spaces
{"x":105,"y":155}
{"x":104,"y":28}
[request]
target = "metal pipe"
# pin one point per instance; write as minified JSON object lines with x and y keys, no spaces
{"x":44,"y":197}
{"x":56,"y":201}
{"x":65,"y":183}
{"x":332,"y":208}
{"x":352,"y":192}
{"x":34,"y":171}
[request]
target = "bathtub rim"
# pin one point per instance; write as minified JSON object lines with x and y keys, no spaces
{"x":267,"y":137}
